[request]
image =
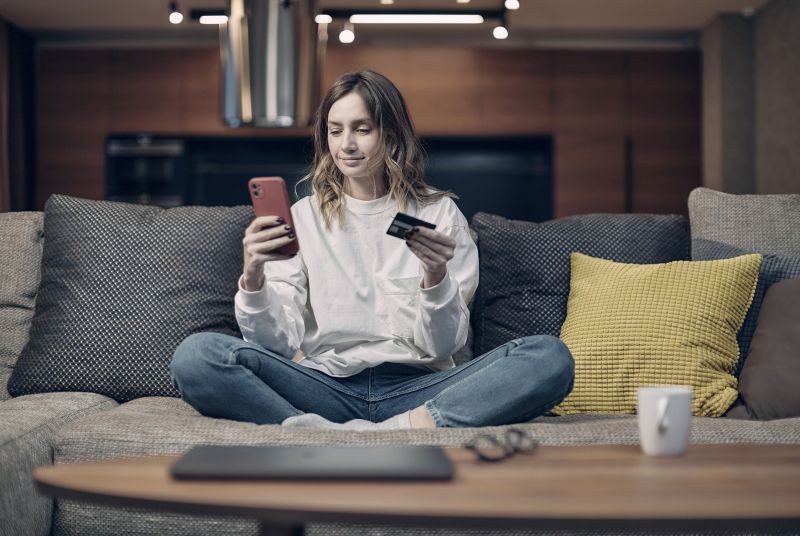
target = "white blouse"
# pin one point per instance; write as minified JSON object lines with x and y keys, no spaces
{"x":352,"y":298}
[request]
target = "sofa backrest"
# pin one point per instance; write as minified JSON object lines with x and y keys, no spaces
{"x":21,"y":237}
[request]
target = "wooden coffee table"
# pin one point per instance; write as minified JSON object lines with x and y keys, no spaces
{"x":600,"y":486}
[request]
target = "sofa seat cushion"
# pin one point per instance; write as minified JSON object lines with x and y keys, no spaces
{"x":150,"y":426}
{"x":163,"y":425}
{"x":28,"y":425}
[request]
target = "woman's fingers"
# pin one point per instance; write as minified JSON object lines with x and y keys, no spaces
{"x":269,"y":245}
{"x":444,"y":248}
{"x":435,"y":236}
{"x":271,"y":233}
{"x":426,"y":254}
{"x":263,"y":222}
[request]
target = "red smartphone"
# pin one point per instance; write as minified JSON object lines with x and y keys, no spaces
{"x":270,"y":198}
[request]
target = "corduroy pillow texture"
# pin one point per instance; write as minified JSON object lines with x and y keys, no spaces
{"x":631,"y":325}
{"x":122,"y":285}
{"x":768,"y":382}
{"x":524,"y":266}
{"x":21,"y":258}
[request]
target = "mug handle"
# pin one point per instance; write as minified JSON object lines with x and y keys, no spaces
{"x":661,"y":417}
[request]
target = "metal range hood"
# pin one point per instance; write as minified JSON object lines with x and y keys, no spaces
{"x":268,"y":51}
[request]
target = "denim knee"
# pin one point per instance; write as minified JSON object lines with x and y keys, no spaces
{"x":560,"y":367}
{"x":192,"y":353}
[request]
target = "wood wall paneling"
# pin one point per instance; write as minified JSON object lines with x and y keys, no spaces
{"x":201,"y":91}
{"x":589,"y":100}
{"x":589,"y":144}
{"x":515,"y":91}
{"x":73,"y":105}
{"x":444,"y":91}
{"x":664,"y":127}
{"x":146,"y":90}
{"x":392,"y":62}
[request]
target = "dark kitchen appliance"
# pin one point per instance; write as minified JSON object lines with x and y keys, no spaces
{"x":146,"y":170}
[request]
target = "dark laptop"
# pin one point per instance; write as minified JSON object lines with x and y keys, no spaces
{"x":402,"y":462}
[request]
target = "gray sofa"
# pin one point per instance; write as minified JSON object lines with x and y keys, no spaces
{"x":60,"y":427}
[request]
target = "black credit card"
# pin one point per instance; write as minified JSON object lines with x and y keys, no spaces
{"x":403,"y":223}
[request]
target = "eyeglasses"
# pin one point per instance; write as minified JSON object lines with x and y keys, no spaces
{"x":489,"y":448}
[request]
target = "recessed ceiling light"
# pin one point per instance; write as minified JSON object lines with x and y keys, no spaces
{"x":323,"y":19}
{"x":500,"y":32}
{"x":512,"y":4}
{"x":387,"y":2}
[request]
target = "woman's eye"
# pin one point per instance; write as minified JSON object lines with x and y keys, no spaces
{"x":363,"y":130}
{"x":334,"y":132}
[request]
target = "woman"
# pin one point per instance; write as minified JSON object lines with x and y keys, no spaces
{"x":358,"y":329}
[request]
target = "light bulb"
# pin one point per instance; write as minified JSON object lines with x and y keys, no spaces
{"x":500,"y":32}
{"x":323,"y":19}
{"x":512,"y":4}
{"x":347,"y":36}
{"x":175,"y":15}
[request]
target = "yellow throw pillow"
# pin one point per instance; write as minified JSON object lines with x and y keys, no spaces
{"x":632,"y":325}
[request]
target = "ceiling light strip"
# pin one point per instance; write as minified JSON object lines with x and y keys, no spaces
{"x":391,"y":18}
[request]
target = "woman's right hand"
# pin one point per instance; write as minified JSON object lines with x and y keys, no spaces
{"x":264,"y":235}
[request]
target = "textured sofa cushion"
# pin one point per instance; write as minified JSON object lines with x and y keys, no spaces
{"x":761,"y":223}
{"x":21,"y":257}
{"x":170,"y":426}
{"x":524,"y":266}
{"x":774,"y":268}
{"x":632,"y":325}
{"x":122,"y":285}
{"x":28,"y":426}
{"x":768,"y":382}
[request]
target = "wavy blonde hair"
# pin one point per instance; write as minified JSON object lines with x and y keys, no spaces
{"x":403,"y":157}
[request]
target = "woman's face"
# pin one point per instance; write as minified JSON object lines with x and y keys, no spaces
{"x":354,"y":139}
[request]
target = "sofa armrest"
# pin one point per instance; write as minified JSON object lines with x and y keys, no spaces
{"x":28,"y":425}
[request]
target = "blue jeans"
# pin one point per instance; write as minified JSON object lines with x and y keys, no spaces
{"x":226,"y":377}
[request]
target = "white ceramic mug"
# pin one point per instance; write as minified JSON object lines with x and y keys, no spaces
{"x":665,"y":419}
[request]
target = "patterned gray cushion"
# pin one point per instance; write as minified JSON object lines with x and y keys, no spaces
{"x":524,"y":266}
{"x":20,"y":257}
{"x":762,"y":223}
{"x":122,"y":285}
{"x":28,"y":426}
{"x":774,"y":268}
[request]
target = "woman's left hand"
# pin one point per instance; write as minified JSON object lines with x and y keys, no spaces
{"x":433,"y":249}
